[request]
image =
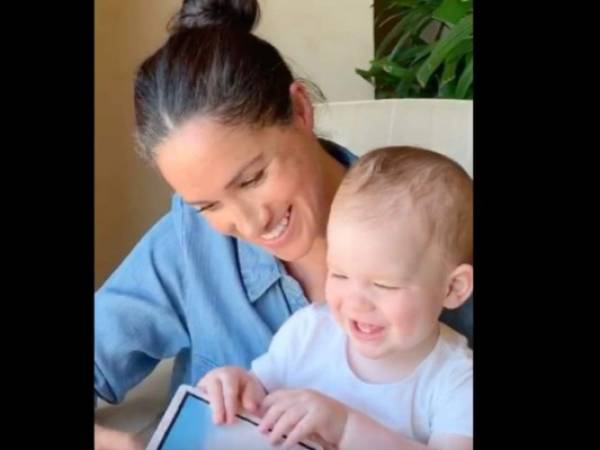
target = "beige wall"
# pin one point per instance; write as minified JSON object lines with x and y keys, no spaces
{"x":128,"y":195}
{"x":319,"y":39}
{"x":323,"y":40}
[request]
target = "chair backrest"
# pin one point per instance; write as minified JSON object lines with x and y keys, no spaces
{"x":445,"y":126}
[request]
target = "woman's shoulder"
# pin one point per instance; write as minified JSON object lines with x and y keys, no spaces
{"x":339,"y":152}
{"x":166,"y":245}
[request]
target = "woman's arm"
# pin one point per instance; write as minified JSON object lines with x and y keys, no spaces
{"x":138,"y":318}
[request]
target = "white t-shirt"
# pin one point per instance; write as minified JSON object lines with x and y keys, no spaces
{"x":309,"y":351}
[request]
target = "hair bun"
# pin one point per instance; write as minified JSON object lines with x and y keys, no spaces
{"x":241,"y":14}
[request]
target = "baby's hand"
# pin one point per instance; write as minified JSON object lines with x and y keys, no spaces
{"x":228,"y":390}
{"x":298,"y":413}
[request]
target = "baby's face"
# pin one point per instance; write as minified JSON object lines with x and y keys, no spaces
{"x":386,"y":283}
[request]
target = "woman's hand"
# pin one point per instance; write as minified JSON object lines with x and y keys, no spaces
{"x":107,"y":439}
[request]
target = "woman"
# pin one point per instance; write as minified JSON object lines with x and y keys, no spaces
{"x":243,"y":246}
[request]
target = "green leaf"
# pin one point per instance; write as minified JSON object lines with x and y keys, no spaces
{"x":413,"y":29}
{"x":364,"y":74}
{"x":469,"y":93}
{"x":412,"y":53}
{"x":451,"y":11}
{"x":398,"y":29}
{"x":383,"y":95}
{"x":395,"y":69}
{"x":453,"y":58}
{"x":391,"y":5}
{"x":447,"y":90}
{"x":404,"y":3}
{"x":426,"y":51}
{"x":387,"y":19}
{"x":462,"y":49}
{"x":402,"y":89}
{"x":378,"y":63}
{"x":385,"y":78}
{"x":462,"y":31}
{"x":449,"y":71}
{"x":403,"y":86}
{"x":376,"y":68}
{"x":391,"y":35}
{"x":466,"y":79}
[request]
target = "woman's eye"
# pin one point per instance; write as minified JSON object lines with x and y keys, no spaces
{"x":254,"y":180}
{"x":205,"y":207}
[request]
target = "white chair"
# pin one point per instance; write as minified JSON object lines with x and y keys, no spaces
{"x":445,"y":126}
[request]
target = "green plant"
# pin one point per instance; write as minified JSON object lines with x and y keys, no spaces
{"x":427,"y":52}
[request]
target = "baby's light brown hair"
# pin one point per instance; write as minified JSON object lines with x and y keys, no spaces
{"x":435,"y":186}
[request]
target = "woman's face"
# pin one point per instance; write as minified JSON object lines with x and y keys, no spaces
{"x":263,"y":185}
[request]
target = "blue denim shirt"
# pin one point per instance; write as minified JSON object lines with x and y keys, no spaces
{"x":187,"y":291}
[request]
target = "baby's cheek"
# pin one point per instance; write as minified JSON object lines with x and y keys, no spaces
{"x":405,"y":318}
{"x":335,"y":303}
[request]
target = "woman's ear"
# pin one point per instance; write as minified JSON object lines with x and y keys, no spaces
{"x":302,"y":106}
{"x":459,"y":287}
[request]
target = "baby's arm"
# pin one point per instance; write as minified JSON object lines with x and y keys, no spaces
{"x":301,"y":413}
{"x":452,"y":420}
{"x":363,"y":432}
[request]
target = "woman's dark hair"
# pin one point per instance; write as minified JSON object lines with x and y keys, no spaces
{"x":211,"y":65}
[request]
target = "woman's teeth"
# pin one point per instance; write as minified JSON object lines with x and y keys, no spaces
{"x":279,"y":228}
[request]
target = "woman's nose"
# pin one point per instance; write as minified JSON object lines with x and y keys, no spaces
{"x":250,"y":221}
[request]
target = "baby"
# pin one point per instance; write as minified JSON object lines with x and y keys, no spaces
{"x":373,"y":367}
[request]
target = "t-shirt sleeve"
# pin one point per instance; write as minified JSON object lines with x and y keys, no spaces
{"x":453,"y":403}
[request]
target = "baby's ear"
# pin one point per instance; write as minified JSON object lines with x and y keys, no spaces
{"x":460,"y":286}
